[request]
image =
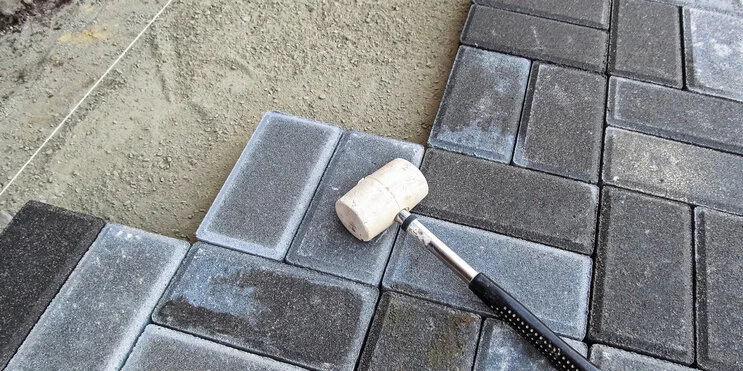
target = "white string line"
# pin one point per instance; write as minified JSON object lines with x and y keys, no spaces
{"x":64,"y":120}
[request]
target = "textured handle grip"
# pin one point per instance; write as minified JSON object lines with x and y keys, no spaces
{"x":559,"y":353}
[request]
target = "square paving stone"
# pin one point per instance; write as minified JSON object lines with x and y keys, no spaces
{"x":613,"y":359}
{"x":592,"y":13}
{"x":38,"y":250}
{"x":676,"y":114}
{"x":160,"y":348}
{"x":714,"y":53}
{"x":673,"y":170}
{"x":266,"y":195}
{"x":413,"y":334}
{"x":536,"y":38}
{"x":270,"y":308}
{"x":506,"y":199}
{"x":479,"y":114}
{"x":98,"y":314}
{"x":322,"y":242}
{"x":563,"y":122}
{"x":719,"y":263}
{"x":643,"y":296}
{"x":554,"y":284}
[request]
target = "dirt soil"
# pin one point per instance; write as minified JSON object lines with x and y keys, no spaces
{"x":152,"y":145}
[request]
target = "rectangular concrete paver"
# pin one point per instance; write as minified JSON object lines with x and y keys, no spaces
{"x":613,"y":359}
{"x":643,"y":286}
{"x":267,"y":193}
{"x":554,"y":284}
{"x":536,"y":38}
{"x":160,"y":348}
{"x":38,"y":250}
{"x":563,"y":121}
{"x":413,"y":334}
{"x":519,"y":202}
{"x":322,"y":242}
{"x":270,"y":308}
{"x":100,"y":311}
{"x":719,"y":263}
{"x":674,"y":170}
{"x":480,"y":110}
{"x":592,"y":13}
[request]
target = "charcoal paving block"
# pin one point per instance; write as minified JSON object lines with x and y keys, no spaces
{"x":38,"y":250}
{"x":673,"y":170}
{"x":646,"y":42}
{"x":97,"y":315}
{"x":592,"y":13}
{"x":160,"y":348}
{"x":563,"y":122}
{"x":675,"y":114}
{"x":719,"y":263}
{"x":519,"y":202}
{"x":270,"y":308}
{"x":714,"y":54}
{"x":412,"y":334}
{"x":613,"y":359}
{"x":643,"y":261}
{"x":266,"y":195}
{"x":536,"y":38}
{"x":479,"y":114}
{"x":322,"y":242}
{"x":554,"y":284}
{"x":502,"y":348}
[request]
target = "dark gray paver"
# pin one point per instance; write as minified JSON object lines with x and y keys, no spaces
{"x":38,"y":250}
{"x":506,"y":199}
{"x":643,"y":285}
{"x":554,"y":284}
{"x":413,"y":334}
{"x":613,"y":359}
{"x":563,"y":122}
{"x":160,"y":348}
{"x":714,"y":54}
{"x":536,"y":38}
{"x":98,"y":314}
{"x":267,"y":193}
{"x":674,"y":170}
{"x":726,"y":6}
{"x":502,"y":348}
{"x":480,"y":110}
{"x":322,"y":242}
{"x":270,"y":308}
{"x":676,"y":114}
{"x":592,"y":13}
{"x":719,"y":263}
{"x":646,"y":42}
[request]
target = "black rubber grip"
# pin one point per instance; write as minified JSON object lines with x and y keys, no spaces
{"x":406,"y":223}
{"x":559,"y":353}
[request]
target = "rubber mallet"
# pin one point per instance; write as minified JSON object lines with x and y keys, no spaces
{"x":387,"y":196}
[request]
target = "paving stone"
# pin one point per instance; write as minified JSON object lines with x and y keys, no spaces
{"x":613,"y":359}
{"x":676,"y":114}
{"x":592,"y":13}
{"x":479,"y":114}
{"x":554,"y":284}
{"x":502,"y":348}
{"x":725,"y":6}
{"x":646,"y":42}
{"x":719,"y":263}
{"x":714,"y":53}
{"x":38,"y":250}
{"x":673,"y":170}
{"x":160,"y":348}
{"x":644,"y":260}
{"x":322,"y":242}
{"x":269,"y":308}
{"x":536,"y":38}
{"x":98,"y":314}
{"x":412,"y":334}
{"x":510,"y":200}
{"x":266,"y":195}
{"x":563,"y":122}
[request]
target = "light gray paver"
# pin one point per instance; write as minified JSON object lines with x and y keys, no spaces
{"x":613,"y":359}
